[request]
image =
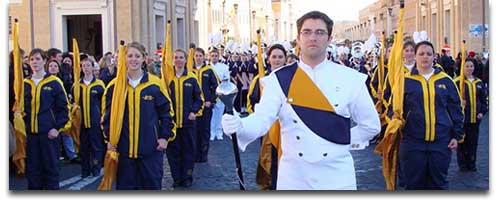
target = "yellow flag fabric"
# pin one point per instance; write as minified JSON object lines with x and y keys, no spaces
{"x":389,"y":145}
{"x":261,"y":67}
{"x":75,"y":108}
{"x":19,"y":126}
{"x":263,"y":174}
{"x":263,"y":171}
{"x":462,"y":75}
{"x":167,"y":71}
{"x":190,"y":60}
{"x":380,"y":86}
{"x":297,"y":50}
{"x":116,"y":121}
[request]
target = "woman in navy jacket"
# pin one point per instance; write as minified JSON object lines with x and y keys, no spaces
{"x":187,"y":101}
{"x":47,"y":113}
{"x":147,"y":125}
{"x":434,"y":123}
{"x":475,"y":109}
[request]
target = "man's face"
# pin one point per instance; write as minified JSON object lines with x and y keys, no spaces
{"x":213,"y":56}
{"x":58,"y":58}
{"x":313,"y":38}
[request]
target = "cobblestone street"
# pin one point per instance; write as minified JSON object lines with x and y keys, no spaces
{"x":219,"y":172}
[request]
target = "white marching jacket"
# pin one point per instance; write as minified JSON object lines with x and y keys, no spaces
{"x":308,"y":161}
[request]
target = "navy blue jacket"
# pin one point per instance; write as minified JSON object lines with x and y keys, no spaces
{"x":148,"y":116}
{"x":46,"y":105}
{"x":208,"y":81}
{"x":432,"y":109}
{"x":91,"y":102}
{"x":186,"y":97}
{"x":475,"y":97}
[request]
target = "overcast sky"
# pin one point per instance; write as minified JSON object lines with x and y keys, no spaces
{"x":337,"y":10}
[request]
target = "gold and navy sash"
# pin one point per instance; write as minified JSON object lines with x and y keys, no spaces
{"x":311,"y":105}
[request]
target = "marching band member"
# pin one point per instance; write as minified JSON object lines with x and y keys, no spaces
{"x":434,"y":123}
{"x":208,"y":82}
{"x":47,"y":113}
{"x":314,"y":156}
{"x":147,"y":125}
{"x":91,"y":140}
{"x":475,"y":109}
{"x":187,"y":102}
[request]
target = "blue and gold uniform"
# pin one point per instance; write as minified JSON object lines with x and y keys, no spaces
{"x":187,"y":98}
{"x":208,"y":82}
{"x":148,"y":116}
{"x":475,"y":97}
{"x":433,"y":115}
{"x":91,"y":140}
{"x":46,"y":107}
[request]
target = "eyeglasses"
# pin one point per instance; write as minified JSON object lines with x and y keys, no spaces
{"x":318,"y":33}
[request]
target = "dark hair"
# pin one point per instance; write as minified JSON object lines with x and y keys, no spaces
{"x":276,"y":46}
{"x":87,"y":59}
{"x":11,"y":55}
{"x":424,"y":43}
{"x":52,"y":52}
{"x":443,"y":51}
{"x":39,"y":51}
{"x":50,"y":61}
{"x":213,"y":49}
{"x":198,"y":49}
{"x":409,"y":43}
{"x":471,"y":60}
{"x":315,"y":15}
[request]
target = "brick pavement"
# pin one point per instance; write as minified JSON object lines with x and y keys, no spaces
{"x":219,"y":172}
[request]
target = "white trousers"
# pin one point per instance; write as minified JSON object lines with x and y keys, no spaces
{"x":216,"y":129}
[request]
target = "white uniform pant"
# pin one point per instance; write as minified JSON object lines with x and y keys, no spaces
{"x":216,"y":129}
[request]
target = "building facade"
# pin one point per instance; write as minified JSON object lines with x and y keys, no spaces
{"x":284,"y":14}
{"x":236,"y":20}
{"x":447,"y":22}
{"x":99,"y":25}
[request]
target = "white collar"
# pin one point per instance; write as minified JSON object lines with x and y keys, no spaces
{"x":306,"y":67}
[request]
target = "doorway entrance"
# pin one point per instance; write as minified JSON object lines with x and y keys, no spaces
{"x":87,"y":30}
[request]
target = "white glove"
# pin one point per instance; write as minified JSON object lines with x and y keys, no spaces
{"x":231,"y":124}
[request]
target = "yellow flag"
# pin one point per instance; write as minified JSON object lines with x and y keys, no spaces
{"x":19,"y":126}
{"x":167,"y":71}
{"x":297,"y":51}
{"x":261,"y":67}
{"x":75,"y":108}
{"x":190,"y":59}
{"x":389,"y":145}
{"x":380,"y":86}
{"x":462,"y":74}
{"x":116,"y":120}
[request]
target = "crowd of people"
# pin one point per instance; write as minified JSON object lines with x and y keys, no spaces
{"x":302,"y":107}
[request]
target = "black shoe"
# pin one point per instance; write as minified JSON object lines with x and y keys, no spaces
{"x":473,"y":169}
{"x":200,"y":160}
{"x":177,"y":184}
{"x":85,"y":175}
{"x":187,"y":183}
{"x":75,"y":160}
{"x":96,"y":173}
